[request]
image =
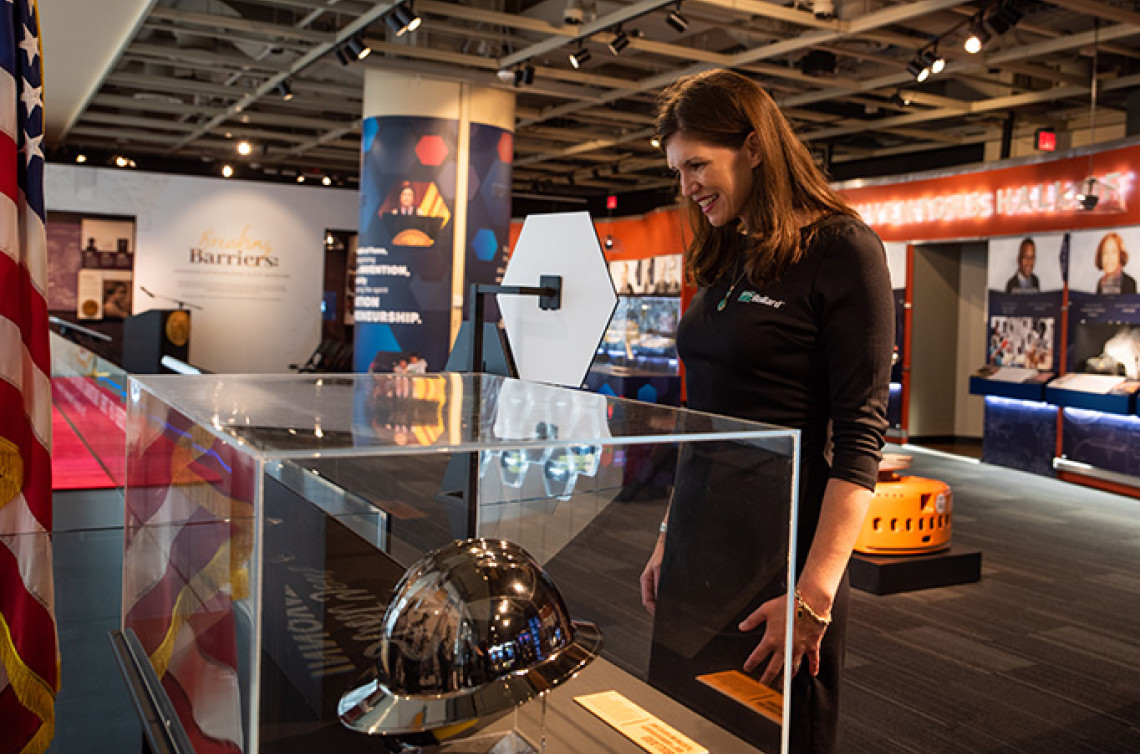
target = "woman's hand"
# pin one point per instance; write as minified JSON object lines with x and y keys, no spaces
{"x":805,"y":643}
{"x":652,"y":575}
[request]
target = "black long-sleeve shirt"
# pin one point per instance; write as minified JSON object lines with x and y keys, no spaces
{"x":811,"y":351}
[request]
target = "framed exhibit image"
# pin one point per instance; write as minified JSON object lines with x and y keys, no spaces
{"x":652,"y":275}
{"x":1025,"y":264}
{"x":107,"y":243}
{"x":1103,"y":261}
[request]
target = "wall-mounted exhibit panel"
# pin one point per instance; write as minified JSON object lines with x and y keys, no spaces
{"x":249,"y":254}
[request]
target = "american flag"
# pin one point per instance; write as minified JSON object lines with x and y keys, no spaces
{"x":29,"y":655}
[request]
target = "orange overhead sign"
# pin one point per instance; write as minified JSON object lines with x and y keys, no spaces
{"x":1033,"y":198}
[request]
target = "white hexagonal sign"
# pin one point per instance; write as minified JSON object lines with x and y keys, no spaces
{"x":558,"y":346}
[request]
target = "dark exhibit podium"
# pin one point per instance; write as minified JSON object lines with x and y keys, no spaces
{"x":891,"y":574}
{"x":150,"y":335}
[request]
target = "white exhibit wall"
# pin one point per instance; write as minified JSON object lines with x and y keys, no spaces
{"x":251,"y":254}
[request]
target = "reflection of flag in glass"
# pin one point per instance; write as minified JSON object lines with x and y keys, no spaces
{"x":188,"y":539}
{"x":29,"y":656}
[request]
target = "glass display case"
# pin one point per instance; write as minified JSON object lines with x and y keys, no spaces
{"x":639,"y":349}
{"x":269,"y":520}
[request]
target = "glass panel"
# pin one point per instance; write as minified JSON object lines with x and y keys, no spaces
{"x":89,"y":394}
{"x":351,"y":481}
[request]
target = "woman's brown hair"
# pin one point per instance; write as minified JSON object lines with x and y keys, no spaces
{"x":1110,"y":236}
{"x":722,"y":108}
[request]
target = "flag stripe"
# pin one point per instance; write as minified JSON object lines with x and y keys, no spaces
{"x":25,"y":391}
{"x":27,"y":311}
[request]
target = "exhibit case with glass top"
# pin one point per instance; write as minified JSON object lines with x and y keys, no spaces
{"x":271,"y":520}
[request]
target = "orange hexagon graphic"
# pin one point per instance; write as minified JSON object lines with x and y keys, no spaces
{"x":507,"y":147}
{"x":431,"y":150}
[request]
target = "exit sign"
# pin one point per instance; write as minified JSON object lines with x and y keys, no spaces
{"x":1046,"y":140}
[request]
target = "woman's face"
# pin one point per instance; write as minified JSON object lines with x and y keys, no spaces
{"x":718,"y":179}
{"x":1110,"y":257}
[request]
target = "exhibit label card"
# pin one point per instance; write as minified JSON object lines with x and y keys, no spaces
{"x":748,"y":691}
{"x":637,"y":725}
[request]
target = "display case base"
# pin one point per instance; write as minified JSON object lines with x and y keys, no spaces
{"x":890,"y":574}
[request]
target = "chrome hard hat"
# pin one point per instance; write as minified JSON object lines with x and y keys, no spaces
{"x":474,"y":629}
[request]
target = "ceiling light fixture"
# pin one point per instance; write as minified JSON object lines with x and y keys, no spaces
{"x":932,"y":60}
{"x":402,"y":19}
{"x":81,"y":158}
{"x":580,"y":56}
{"x":244,"y":148}
{"x":676,"y":20}
{"x":326,"y":181}
{"x":227,"y":171}
{"x":523,"y":75}
{"x":284,"y":90}
{"x":357,"y":47}
{"x":619,"y":42}
{"x":918,"y":69}
{"x":655,"y":142}
{"x":901,"y":97}
{"x":343,"y":56}
{"x":978,"y":36}
{"x":121,"y":162}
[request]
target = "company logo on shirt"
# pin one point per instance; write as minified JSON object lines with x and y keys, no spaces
{"x":752,"y":297}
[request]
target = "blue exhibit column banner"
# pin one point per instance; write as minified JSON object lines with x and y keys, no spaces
{"x":404,"y":255}
{"x":488,"y":208}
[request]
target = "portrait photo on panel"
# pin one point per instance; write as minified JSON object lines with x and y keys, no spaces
{"x":1102,"y":263}
{"x":1025,"y":264}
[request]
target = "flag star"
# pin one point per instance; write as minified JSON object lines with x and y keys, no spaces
{"x":33,"y":97}
{"x":30,"y":45}
{"x":32,"y":148}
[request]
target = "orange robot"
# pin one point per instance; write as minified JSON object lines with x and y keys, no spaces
{"x":909,"y":514}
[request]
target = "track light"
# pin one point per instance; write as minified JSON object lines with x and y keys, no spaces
{"x":284,"y":90}
{"x":528,"y":74}
{"x":326,"y":181}
{"x":343,"y":56}
{"x":81,"y":158}
{"x":978,"y":36}
{"x":244,"y":148}
{"x":227,"y":171}
{"x":357,"y":47}
{"x":1004,"y":18}
{"x":932,"y":60}
{"x":402,"y":19}
{"x":655,"y":142}
{"x":676,"y":20}
{"x":917,"y":69}
{"x":580,"y":56}
{"x":619,"y":42}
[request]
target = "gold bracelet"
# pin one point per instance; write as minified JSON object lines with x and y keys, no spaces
{"x":803,"y":610}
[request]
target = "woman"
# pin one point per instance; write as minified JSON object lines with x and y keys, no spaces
{"x":793,"y":325}
{"x":1110,"y":260}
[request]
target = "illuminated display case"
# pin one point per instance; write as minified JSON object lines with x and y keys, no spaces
{"x":269,"y":518}
{"x":637,"y":358}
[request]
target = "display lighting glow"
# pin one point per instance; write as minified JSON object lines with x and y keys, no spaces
{"x":1000,"y":401}
{"x":244,"y":148}
{"x":1088,"y":416}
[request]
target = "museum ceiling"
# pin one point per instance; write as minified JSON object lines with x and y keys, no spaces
{"x":186,"y":80}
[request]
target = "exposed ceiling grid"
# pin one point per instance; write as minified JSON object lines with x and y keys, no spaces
{"x":195,"y":76}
